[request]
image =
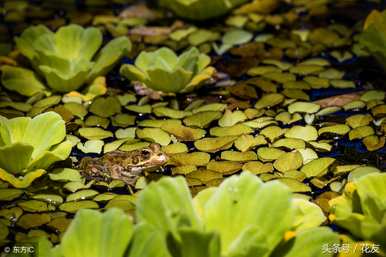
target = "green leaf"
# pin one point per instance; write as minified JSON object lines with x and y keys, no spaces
{"x":167,"y":205}
{"x":21,"y":80}
{"x":65,"y":58}
{"x":310,"y":242}
{"x":193,"y":243}
{"x":21,"y":182}
{"x":73,"y":42}
{"x":27,"y":144}
{"x":16,"y":157}
{"x":307,"y":215}
{"x":148,"y":241}
{"x":243,"y":208}
{"x":44,"y":131}
{"x":361,"y":209}
{"x":109,"y":55}
{"x":93,"y":234}
{"x":25,"y":43}
{"x":162,"y":70}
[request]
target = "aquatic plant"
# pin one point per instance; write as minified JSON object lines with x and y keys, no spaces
{"x":373,"y":38}
{"x":241,"y":217}
{"x":29,"y":146}
{"x":362,"y":208}
{"x":200,"y":9}
{"x":66,"y":59}
{"x":162,"y":70}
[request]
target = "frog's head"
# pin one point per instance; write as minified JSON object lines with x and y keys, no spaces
{"x":148,"y":158}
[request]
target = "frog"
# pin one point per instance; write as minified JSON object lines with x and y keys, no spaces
{"x":124,"y":166}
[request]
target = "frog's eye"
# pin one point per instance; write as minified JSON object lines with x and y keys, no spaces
{"x":145,"y":153}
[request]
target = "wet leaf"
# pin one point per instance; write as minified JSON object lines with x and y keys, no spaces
{"x":269,"y":153}
{"x":91,"y":146}
{"x":94,"y":133}
{"x":105,"y":107}
{"x":231,"y":118}
{"x":224,"y":167}
{"x":257,"y":167}
{"x":288,"y":161}
{"x":184,"y":133}
{"x":361,"y":132}
{"x":238,"y":156}
{"x":28,"y":221}
{"x":340,"y":129}
{"x":214,"y":144}
{"x":10,"y":194}
{"x":81,"y":195}
{"x":156,"y":135}
{"x":235,"y":130}
{"x":317,"y":167}
{"x":269,"y":100}
{"x":196,"y":158}
{"x":306,"y":133}
{"x":202,"y":119}
{"x":303,"y":107}
{"x":246,"y":142}
{"x":73,"y":207}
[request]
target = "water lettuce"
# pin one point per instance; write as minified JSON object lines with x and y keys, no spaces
{"x":200,"y":9}
{"x":66,"y":59}
{"x":373,"y":38}
{"x":162,"y":70}
{"x":243,"y":217}
{"x":362,"y":208}
{"x":29,"y":146}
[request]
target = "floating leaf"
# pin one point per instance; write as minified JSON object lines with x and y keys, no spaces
{"x":154,"y":135}
{"x":306,"y":133}
{"x":317,"y":167}
{"x":288,"y":161}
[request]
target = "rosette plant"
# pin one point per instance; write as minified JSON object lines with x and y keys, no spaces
{"x":201,"y":9}
{"x":362,"y":208}
{"x":162,"y":70}
{"x":29,"y":146}
{"x":66,"y":59}
{"x":373,"y":38}
{"x":243,"y":217}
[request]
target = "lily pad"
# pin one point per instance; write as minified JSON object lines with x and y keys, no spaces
{"x":196,"y":158}
{"x":317,"y":167}
{"x":81,"y":195}
{"x":288,"y":161}
{"x":224,"y":167}
{"x":303,"y":107}
{"x":184,"y":133}
{"x":95,"y":133}
{"x":231,"y":118}
{"x":306,"y":133}
{"x":257,"y":167}
{"x":105,"y":107}
{"x":202,"y":119}
{"x":238,"y":156}
{"x":73,"y":207}
{"x":246,"y":142}
{"x":154,"y":135}
{"x":28,"y":221}
{"x":235,"y":130}
{"x":269,"y":100}
{"x":269,"y":153}
{"x":214,"y":144}
{"x":10,"y":194}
